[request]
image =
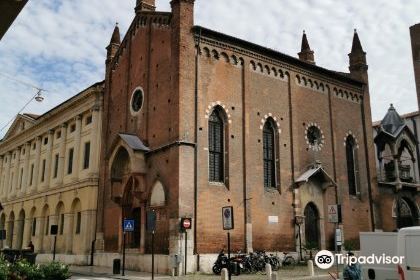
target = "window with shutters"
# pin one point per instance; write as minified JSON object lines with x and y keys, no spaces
{"x":56,"y":165}
{"x":86,"y":158}
{"x":43,"y":170}
{"x":352,"y":170}
{"x":70,"y":162}
{"x":216,"y":146}
{"x":32,"y":174}
{"x":270,"y":154}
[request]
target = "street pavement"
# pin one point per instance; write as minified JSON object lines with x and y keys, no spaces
{"x":100,"y":273}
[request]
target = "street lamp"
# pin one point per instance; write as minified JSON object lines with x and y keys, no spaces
{"x":38,"y":96}
{"x":299,"y":219}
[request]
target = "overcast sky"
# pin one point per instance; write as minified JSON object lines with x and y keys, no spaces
{"x":60,"y":45}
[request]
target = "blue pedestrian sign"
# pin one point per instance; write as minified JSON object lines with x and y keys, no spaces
{"x":128,"y":225}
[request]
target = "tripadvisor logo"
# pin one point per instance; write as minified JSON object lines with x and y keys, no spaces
{"x":324,"y":259}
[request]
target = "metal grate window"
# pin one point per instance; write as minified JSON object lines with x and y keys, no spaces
{"x":216,"y":147}
{"x":269,"y":155}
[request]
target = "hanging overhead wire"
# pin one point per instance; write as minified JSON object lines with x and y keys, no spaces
{"x":37,"y":96}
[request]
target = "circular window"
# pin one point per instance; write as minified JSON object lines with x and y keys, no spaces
{"x":137,"y":100}
{"x":314,"y":137}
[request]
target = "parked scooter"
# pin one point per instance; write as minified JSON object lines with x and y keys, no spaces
{"x":222,"y":262}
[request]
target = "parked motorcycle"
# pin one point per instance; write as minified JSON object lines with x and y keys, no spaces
{"x":223,"y":262}
{"x":220,"y":263}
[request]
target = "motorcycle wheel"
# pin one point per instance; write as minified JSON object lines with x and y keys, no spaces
{"x":216,"y":269}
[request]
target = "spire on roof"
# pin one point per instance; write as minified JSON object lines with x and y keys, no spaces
{"x":115,"y":38}
{"x":306,"y":54}
{"x":392,"y":121}
{"x":305,"y":44}
{"x":357,"y":60}
{"x":356,"y":46}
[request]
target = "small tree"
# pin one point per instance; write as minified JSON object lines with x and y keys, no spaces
{"x":311,"y":247}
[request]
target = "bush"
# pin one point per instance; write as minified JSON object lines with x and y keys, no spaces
{"x":351,"y":244}
{"x":23,"y":270}
{"x":4,"y":269}
{"x":55,"y":271}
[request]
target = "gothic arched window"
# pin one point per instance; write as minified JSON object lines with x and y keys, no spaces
{"x":216,"y":146}
{"x":352,"y":170}
{"x":269,"y":154}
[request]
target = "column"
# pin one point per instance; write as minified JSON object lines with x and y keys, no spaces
{"x":48,"y":160}
{"x":35,"y":181}
{"x":69,"y":232}
{"x":10,"y":233}
{"x":26,"y":169}
{"x":15,"y":173}
{"x":143,"y":229}
{"x":39,"y":234}
{"x":27,"y":232}
{"x":1,"y":174}
{"x":95,"y":141}
{"x":62,"y":155}
{"x":76,"y":155}
{"x":20,"y":227}
{"x":87,"y":230}
{"x":53,"y":221}
{"x":5,"y":190}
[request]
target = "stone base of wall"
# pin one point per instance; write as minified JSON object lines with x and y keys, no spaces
{"x":164,"y":264}
{"x":67,"y":259}
{"x":136,"y":262}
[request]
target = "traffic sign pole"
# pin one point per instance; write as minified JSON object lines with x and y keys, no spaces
{"x":153,"y":255}
{"x":123,"y":260}
{"x":185,"y":265}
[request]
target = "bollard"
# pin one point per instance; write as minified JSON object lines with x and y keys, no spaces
{"x":274,"y":276}
{"x":225,"y":274}
{"x":311,"y":268}
{"x":268,"y":271}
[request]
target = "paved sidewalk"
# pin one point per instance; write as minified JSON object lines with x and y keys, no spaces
{"x":295,"y":273}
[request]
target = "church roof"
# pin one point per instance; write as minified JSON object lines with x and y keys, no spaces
{"x":134,"y":142}
{"x":211,"y":34}
{"x":315,"y":170}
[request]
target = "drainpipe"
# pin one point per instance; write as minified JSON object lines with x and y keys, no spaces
{"x":196,"y":145}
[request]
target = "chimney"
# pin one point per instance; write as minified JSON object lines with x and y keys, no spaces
{"x":145,"y":5}
{"x":415,"y":48}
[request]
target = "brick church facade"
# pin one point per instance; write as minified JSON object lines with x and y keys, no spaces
{"x":195,"y":120}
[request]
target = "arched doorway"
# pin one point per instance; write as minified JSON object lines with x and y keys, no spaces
{"x":406,"y":213}
{"x":131,"y":208}
{"x":312,"y":235}
{"x":120,"y":169}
